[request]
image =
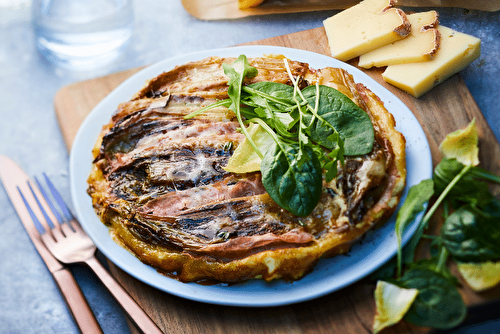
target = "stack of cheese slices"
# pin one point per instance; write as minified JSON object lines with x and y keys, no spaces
{"x":418,"y":52}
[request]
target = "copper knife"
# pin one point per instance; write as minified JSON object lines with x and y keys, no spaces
{"x":12,"y":177}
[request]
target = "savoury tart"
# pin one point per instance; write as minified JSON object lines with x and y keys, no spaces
{"x":158,"y":180}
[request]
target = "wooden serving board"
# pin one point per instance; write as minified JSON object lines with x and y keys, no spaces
{"x":446,"y":108}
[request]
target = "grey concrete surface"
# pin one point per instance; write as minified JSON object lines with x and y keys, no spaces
{"x":29,"y":133}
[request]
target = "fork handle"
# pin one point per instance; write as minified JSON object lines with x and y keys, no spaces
{"x":76,"y":301}
{"x":129,"y":305}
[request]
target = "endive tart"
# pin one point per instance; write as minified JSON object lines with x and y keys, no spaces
{"x":158,"y":180}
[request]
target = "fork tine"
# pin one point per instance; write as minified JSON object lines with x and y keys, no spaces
{"x":60,"y":201}
{"x":53,"y":224}
{"x":59,"y":226}
{"x":42,"y":209}
{"x":46,"y":218}
{"x":34,"y":218}
{"x":50,"y":204}
{"x":71,"y":221}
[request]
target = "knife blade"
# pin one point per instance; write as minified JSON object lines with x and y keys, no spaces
{"x":12,"y":177}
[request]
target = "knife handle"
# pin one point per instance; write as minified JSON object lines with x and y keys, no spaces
{"x":76,"y":301}
{"x":136,"y":314}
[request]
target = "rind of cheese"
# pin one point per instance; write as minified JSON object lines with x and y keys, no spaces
{"x":456,"y":52}
{"x":365,"y":27}
{"x":421,"y":45}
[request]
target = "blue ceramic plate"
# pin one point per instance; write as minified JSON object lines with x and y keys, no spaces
{"x":329,"y":275}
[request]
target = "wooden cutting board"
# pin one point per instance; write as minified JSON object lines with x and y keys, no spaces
{"x":446,"y":108}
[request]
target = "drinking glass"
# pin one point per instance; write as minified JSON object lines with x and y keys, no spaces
{"x":82,"y":34}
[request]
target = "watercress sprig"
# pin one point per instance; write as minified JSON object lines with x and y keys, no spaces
{"x":237,"y":73}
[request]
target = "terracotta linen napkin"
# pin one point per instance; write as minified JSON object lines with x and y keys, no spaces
{"x":228,"y":9}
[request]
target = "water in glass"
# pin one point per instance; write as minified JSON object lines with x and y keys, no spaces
{"x":82,"y":34}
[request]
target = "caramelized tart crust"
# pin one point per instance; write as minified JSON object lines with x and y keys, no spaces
{"x":157,"y":181}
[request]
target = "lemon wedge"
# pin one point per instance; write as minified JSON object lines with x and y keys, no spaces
{"x":480,"y":276}
{"x":392,"y":303}
{"x":245,"y":159}
{"x":462,"y":145}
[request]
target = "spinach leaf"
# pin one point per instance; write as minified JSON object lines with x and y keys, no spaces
{"x":472,"y":234}
{"x":272,"y":91}
{"x":467,"y":189}
{"x":438,"y":303}
{"x":433,"y":264}
{"x":348,"y":119}
{"x":295,"y":185}
{"x":418,"y":195}
{"x":482,"y":174}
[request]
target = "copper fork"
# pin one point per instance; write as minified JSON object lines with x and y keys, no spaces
{"x":68,"y":242}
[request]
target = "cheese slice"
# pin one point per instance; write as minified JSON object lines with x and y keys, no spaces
{"x":365,"y":27}
{"x":421,"y":45}
{"x":456,"y":52}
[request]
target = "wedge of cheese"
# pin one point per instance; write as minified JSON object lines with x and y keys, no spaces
{"x":365,"y":27}
{"x":456,"y":52}
{"x":421,"y":45}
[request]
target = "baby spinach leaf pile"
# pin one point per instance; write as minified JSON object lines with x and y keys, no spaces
{"x":470,"y":232}
{"x":312,"y":130}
